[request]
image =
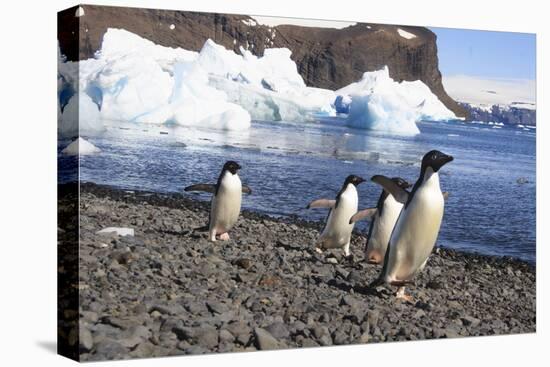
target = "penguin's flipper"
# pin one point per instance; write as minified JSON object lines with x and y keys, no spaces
{"x":202,"y":187}
{"x":362,"y":214}
{"x":445,"y":195}
{"x":321,"y":203}
{"x":399,"y":194}
{"x":246,"y":189}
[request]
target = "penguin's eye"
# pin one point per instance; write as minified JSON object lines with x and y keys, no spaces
{"x":434,"y":156}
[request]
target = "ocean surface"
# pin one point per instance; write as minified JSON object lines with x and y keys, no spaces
{"x":491,"y":208}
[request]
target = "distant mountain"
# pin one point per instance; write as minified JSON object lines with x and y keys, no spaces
{"x":514,"y":114}
{"x":326,"y":57}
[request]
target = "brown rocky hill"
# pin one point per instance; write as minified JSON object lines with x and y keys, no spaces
{"x":326,"y":57}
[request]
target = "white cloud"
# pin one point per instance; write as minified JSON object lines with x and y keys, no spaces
{"x":490,"y":91}
{"x":275,"y":21}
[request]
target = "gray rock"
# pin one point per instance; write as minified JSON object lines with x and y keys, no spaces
{"x":207,"y":337}
{"x":264,"y":340}
{"x":216,"y":307}
{"x":241,"y":331}
{"x":86,"y":340}
{"x":278,"y":330}
{"x":470,"y":321}
{"x":110,"y":349}
{"x":226,"y":336}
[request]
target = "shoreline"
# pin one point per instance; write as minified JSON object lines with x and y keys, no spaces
{"x":168,"y":291}
{"x":175,"y":200}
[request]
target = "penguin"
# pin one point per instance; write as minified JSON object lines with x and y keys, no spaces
{"x":337,"y":230}
{"x":384,"y":216}
{"x":225,"y":205}
{"x":415,"y":233}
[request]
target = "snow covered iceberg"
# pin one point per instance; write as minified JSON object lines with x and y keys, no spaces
{"x":380,"y":103}
{"x":132,"y":79}
{"x":268,"y":87}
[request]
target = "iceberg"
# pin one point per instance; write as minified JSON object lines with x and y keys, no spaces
{"x":268,"y":87}
{"x":131,"y":79}
{"x":80,"y":147}
{"x":192,"y":102}
{"x":380,"y":103}
{"x":79,"y":116}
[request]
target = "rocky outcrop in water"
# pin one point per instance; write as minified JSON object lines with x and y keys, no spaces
{"x":326,"y":57}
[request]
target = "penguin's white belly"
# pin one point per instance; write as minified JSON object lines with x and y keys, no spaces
{"x":337,"y":231}
{"x":383,"y":227}
{"x":415,"y":234}
{"x":226,"y":206}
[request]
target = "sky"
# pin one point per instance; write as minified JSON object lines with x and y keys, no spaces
{"x":485,"y":53}
{"x":479,"y":67}
{"x":486,"y":67}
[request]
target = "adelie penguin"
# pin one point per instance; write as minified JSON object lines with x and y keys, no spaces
{"x":416,"y":230}
{"x":337,"y":231}
{"x":383,"y":219}
{"x":225,"y":205}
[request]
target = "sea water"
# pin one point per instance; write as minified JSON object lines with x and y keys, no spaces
{"x":491,"y":208}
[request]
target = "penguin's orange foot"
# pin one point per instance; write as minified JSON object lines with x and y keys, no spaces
{"x":224,"y":236}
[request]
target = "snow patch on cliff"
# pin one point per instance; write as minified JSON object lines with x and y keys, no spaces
{"x":405,"y":34}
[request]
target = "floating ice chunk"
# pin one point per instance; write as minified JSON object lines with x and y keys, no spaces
{"x":80,"y":147}
{"x":380,"y":103}
{"x":405,"y":34}
{"x":120,"y":231}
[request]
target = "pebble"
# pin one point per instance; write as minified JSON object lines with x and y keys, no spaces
{"x":167,"y":290}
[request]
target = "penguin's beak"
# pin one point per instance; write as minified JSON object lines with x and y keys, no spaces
{"x":448,"y":159}
{"x":360,"y":180}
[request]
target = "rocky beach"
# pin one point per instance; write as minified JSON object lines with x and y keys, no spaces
{"x":166,"y":290}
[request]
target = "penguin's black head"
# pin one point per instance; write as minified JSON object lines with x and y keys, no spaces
{"x":231,"y":166}
{"x":435,"y":159}
{"x":401,"y":182}
{"x":355,"y":180}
